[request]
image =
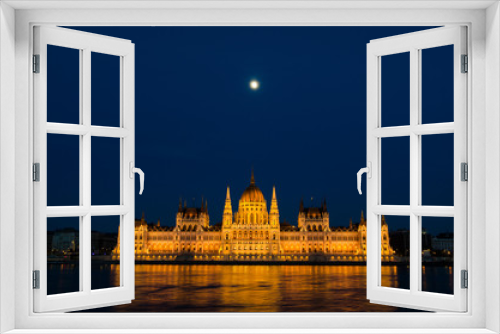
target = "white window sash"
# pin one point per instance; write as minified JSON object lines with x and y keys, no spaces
{"x":414,"y":297}
{"x":86,"y":297}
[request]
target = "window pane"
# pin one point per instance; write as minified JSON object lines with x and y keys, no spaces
{"x":395,"y":91}
{"x":437,"y":84}
{"x":105,"y":251}
{"x":63,"y":85}
{"x":63,"y":262}
{"x":105,"y":171}
{"x":395,"y":164}
{"x":395,"y":247}
{"x":437,"y":170}
{"x":105,"y":90}
{"x":63,"y":170}
{"x":437,"y":254}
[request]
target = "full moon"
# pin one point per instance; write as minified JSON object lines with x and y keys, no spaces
{"x":254,"y":84}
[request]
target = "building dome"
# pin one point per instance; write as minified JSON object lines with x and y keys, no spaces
{"x":252,"y":193}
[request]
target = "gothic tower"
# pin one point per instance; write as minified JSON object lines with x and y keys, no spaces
{"x":274,"y":215}
{"x":227,"y":216}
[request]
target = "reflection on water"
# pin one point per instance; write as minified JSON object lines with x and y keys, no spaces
{"x":396,"y":277}
{"x":256,"y":288}
{"x":438,"y":279}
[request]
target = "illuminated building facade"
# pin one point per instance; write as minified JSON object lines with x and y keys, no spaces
{"x":254,"y":234}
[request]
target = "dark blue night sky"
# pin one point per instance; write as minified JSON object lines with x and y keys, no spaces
{"x":199,"y":127}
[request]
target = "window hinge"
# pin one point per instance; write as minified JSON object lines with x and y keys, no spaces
{"x":36,"y":172}
{"x":465,"y":64}
{"x":464,"y":171}
{"x":36,"y":279}
{"x":36,"y":63}
{"x":465,"y":279}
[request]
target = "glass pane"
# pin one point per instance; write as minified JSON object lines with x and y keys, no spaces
{"x":63,"y":170}
{"x":105,"y":252}
{"x":395,"y":89}
{"x":437,"y":84}
{"x":105,"y":90}
{"x":437,"y":170}
{"x":395,"y":164}
{"x":105,"y":171}
{"x":63,"y":85}
{"x":437,"y":254}
{"x":395,"y":252}
{"x":63,"y":262}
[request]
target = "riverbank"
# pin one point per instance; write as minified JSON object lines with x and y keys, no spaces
{"x":255,"y":263}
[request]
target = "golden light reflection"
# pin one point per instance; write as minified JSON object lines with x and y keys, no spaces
{"x":251,"y":288}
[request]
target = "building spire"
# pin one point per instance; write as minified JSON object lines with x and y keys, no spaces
{"x":301,"y":208}
{"x":252,"y":179}
{"x":227,"y":207}
{"x":274,"y":202}
{"x":227,"y":216}
{"x":362,"y":220}
{"x":180,"y":204}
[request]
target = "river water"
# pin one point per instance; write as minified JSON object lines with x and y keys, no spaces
{"x":255,"y":288}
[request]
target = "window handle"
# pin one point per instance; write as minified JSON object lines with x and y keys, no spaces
{"x":141,"y":175}
{"x":368,"y":171}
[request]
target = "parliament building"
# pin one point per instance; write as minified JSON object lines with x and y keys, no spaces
{"x":254,"y":233}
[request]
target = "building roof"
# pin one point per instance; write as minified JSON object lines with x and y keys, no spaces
{"x":156,"y":228}
{"x":287,"y":227}
{"x":214,"y":228}
{"x":252,"y":193}
{"x":313,"y":212}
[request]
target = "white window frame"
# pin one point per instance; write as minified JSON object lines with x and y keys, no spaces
{"x":414,"y":43}
{"x":85,"y":43}
{"x":483,"y":21}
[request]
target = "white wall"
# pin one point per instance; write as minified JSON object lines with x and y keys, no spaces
{"x":492,"y":163}
{"x":7,"y":165}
